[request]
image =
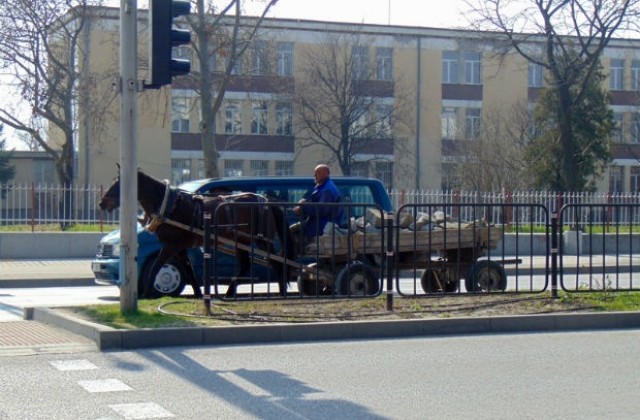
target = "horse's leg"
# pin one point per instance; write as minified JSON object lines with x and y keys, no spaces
{"x":244,"y":264}
{"x":182,"y":255}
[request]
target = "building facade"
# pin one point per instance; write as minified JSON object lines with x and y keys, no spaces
{"x":448,"y":81}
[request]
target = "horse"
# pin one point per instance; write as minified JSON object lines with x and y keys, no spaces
{"x":176,"y":217}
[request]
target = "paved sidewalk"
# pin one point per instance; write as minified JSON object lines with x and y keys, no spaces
{"x":45,"y":273}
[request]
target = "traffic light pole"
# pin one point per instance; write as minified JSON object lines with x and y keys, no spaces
{"x":128,"y":87}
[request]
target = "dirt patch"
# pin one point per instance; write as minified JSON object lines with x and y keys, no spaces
{"x":325,"y":310}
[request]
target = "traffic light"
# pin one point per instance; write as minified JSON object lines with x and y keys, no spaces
{"x":163,"y":37}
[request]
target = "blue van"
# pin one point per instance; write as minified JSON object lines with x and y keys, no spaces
{"x":173,"y":276}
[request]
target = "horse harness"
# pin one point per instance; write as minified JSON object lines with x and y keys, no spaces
{"x":171,"y":198}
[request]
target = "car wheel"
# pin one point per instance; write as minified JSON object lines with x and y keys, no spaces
{"x":170,"y":280}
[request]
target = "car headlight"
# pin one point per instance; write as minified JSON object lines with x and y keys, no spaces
{"x":116,"y":250}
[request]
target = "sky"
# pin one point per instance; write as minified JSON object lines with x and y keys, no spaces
{"x":382,"y":12}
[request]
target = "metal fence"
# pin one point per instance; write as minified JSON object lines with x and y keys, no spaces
{"x":431,"y":250}
{"x":40,"y":204}
{"x":44,"y":204}
{"x":593,"y":206}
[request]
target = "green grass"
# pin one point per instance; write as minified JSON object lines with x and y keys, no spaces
{"x":183,"y":312}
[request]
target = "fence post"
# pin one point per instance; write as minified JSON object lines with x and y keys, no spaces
{"x":33,"y":207}
{"x":390,"y":259}
{"x":554,"y":254}
{"x":206,"y":272}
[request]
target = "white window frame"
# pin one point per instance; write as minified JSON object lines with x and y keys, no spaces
{"x":616,"y":74}
{"x":233,"y":118}
{"x":259,"y":114}
{"x":450,"y":63}
{"x":284,"y":121}
{"x":473,"y":68}
{"x":384,"y":64}
{"x":284,"y":66}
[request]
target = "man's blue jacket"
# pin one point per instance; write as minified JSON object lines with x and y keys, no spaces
{"x":319,"y":216}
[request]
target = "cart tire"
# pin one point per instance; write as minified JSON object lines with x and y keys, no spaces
{"x":310,"y":287}
{"x":486,"y":276}
{"x":437,"y":281}
{"x":314,"y":281}
{"x":169,"y":281}
{"x":357,"y":279}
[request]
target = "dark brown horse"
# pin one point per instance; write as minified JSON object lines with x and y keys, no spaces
{"x":176,"y":217}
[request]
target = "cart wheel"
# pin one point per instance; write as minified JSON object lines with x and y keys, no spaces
{"x":357,"y":279}
{"x":434,"y":281}
{"x":313,"y":282}
{"x":486,"y":276}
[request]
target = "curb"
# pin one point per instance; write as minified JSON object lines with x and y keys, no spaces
{"x":48,"y":282}
{"x":107,"y":338}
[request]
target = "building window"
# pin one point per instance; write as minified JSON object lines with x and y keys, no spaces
{"x":618,"y":132}
{"x":449,"y":67}
{"x":449,"y":125}
{"x":180,"y":171}
{"x":635,"y":74}
{"x":359,"y":123}
{"x":237,"y":65}
{"x":616,"y":176}
{"x":384,"y":63}
{"x":259,"y":118}
{"x":535,"y":75}
{"x":233,"y":167}
{"x":260,"y":58}
{"x":384,"y":172}
{"x":284,"y":168}
{"x":360,"y":62}
{"x":359,"y":169}
{"x":383,"y":121}
{"x":259,"y":167}
{"x":472,"y":123}
{"x":635,"y":129}
{"x":616,"y":77}
{"x":472,"y":68}
{"x":200,"y":169}
{"x":635,"y":179}
{"x":232,"y":118}
{"x":180,"y":115}
{"x":285,"y":59}
{"x":283,"y":118}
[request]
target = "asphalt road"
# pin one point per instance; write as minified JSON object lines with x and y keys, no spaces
{"x":586,"y":375}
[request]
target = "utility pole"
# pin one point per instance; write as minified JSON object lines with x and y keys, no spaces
{"x":128,"y":86}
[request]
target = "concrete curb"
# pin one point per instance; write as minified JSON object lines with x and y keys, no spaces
{"x":107,"y":338}
{"x":50,"y":282}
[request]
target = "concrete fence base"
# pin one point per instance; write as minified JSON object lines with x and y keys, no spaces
{"x":20,"y":245}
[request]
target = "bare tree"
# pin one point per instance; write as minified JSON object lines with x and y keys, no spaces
{"x":341,"y":107}
{"x":496,"y":156}
{"x":40,"y":45}
{"x":566,"y":38}
{"x":216,"y":38}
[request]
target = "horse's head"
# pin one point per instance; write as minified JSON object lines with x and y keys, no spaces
{"x":111,"y":199}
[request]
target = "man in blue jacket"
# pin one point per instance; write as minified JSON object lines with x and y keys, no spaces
{"x":325,"y":191}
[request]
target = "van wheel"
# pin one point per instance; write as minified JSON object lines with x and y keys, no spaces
{"x":170,"y":280}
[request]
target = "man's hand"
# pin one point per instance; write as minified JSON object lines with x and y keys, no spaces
{"x":297,"y":209}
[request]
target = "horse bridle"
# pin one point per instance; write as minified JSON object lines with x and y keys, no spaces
{"x":156,"y":219}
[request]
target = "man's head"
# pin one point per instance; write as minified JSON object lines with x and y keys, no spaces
{"x":321,"y":173}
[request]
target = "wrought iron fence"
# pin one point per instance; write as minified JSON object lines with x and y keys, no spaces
{"x":40,"y":204}
{"x":593,"y":206}
{"x":43,"y":204}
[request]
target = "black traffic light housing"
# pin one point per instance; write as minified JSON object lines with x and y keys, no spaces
{"x":162,"y":38}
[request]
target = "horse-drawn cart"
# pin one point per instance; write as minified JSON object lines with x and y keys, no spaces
{"x":351,"y":263}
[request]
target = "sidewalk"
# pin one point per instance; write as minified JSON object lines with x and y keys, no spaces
{"x":45,"y":273}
